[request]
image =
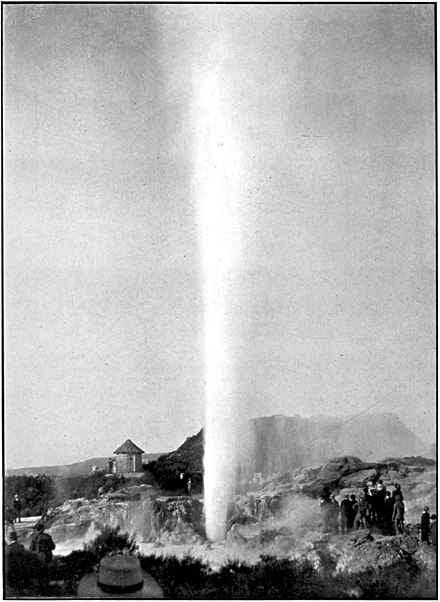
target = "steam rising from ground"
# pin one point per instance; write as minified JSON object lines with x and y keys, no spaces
{"x":297,"y":514}
{"x":216,"y":182}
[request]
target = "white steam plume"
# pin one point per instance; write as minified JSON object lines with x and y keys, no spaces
{"x":217,"y":184}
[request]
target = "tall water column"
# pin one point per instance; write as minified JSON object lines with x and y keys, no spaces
{"x":217,"y":188}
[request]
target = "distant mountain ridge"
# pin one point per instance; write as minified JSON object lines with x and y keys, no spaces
{"x":280,"y":443}
{"x":287,"y":442}
{"x":71,"y":470}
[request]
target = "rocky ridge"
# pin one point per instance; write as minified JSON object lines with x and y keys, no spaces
{"x":284,"y":506}
{"x":275,"y":444}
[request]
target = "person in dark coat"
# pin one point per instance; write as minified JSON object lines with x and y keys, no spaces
{"x":388,"y":514}
{"x":9,"y":517}
{"x":13,"y":546}
{"x":353,"y":512}
{"x":345,"y":509}
{"x":398,"y":515}
{"x":372,"y":506}
{"x":380,"y":503}
{"x":397,"y":491}
{"x":22,"y":577}
{"x":433,"y":530}
{"x":425,"y":524}
{"x":42,"y":544}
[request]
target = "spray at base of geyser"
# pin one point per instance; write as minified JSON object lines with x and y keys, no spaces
{"x":217,"y":185}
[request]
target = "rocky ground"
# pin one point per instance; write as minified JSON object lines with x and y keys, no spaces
{"x":348,"y":474}
{"x":272,"y":529}
{"x":282,"y":518}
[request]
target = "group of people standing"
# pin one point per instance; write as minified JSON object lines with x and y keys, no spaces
{"x":26,"y":570}
{"x":375,"y":506}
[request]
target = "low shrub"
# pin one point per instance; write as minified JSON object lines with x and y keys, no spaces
{"x":110,"y":541}
{"x":38,"y":493}
{"x":271,"y":578}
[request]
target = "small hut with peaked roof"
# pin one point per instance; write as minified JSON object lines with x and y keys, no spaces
{"x":128,"y":458}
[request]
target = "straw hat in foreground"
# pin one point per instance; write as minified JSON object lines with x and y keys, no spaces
{"x":119,"y":577}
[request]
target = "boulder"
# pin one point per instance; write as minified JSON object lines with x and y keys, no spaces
{"x":358,"y":479}
{"x":330,"y":475}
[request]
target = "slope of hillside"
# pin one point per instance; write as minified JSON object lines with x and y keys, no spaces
{"x":283,"y":443}
{"x":188,"y":458}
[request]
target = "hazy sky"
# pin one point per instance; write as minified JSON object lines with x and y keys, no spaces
{"x":334,"y":106}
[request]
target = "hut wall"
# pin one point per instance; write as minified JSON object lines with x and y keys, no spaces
{"x":129,"y":463}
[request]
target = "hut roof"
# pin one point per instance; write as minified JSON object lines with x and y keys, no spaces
{"x":129,"y":448}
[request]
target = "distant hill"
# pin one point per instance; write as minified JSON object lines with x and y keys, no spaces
{"x":283,"y":443}
{"x":287,"y":442}
{"x":188,"y":458}
{"x":71,"y":470}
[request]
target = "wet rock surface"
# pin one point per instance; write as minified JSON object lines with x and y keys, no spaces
{"x":283,"y":518}
{"x":417,"y":477}
{"x":164,"y":520}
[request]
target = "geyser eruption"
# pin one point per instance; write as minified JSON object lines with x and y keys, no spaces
{"x":217,"y":184}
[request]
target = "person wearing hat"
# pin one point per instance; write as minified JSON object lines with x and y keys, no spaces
{"x":22,"y":575}
{"x":17,"y":508}
{"x":42,"y":544}
{"x":13,"y":547}
{"x":424,"y":523}
{"x":397,"y":491}
{"x":380,"y":504}
{"x":119,"y":576}
{"x":388,"y":514}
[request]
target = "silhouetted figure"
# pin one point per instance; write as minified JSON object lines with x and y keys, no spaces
{"x":42,"y":544}
{"x":111,"y":465}
{"x":9,"y":517}
{"x":397,"y":491}
{"x":361,"y":519}
{"x":13,"y":546}
{"x":425,"y":524}
{"x":433,"y":531}
{"x":17,"y":508}
{"x":345,"y":511}
{"x":388,"y":513}
{"x":22,"y":570}
{"x":380,"y":504}
{"x":398,"y":515}
{"x":353,"y":511}
{"x":372,"y":506}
